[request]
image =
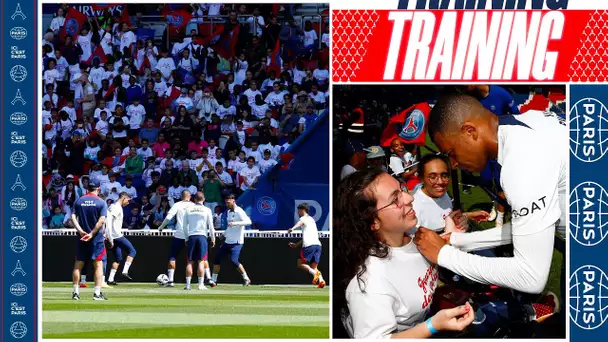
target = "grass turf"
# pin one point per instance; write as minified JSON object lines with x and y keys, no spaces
{"x":136,"y":310}
{"x":478,"y":199}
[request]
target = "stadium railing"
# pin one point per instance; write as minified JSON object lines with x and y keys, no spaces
{"x":167,"y":232}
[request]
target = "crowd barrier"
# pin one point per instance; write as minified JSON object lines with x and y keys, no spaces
{"x":265,"y":255}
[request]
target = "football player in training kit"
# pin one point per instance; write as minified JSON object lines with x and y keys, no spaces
{"x":470,"y":135}
{"x":116,"y":239}
{"x":234,"y":221}
{"x":198,"y":226}
{"x":88,"y":218}
{"x":311,"y":245}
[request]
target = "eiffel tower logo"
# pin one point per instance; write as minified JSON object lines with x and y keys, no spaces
{"x":18,"y":13}
{"x":18,"y":184}
{"x":18,"y":269}
{"x":18,"y":98}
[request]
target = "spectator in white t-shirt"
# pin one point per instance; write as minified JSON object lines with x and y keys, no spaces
{"x":310,"y":35}
{"x":249,"y":174}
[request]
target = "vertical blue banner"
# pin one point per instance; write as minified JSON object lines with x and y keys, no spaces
{"x":588,"y":212}
{"x":18,"y":170}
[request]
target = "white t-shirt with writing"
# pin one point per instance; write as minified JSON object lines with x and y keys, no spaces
{"x":250,"y":174}
{"x":394,"y":300}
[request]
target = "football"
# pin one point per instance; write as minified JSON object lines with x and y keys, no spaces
{"x":162,"y":279}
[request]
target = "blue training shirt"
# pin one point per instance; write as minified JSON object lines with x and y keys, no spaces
{"x":88,"y":209}
{"x":499,"y":101}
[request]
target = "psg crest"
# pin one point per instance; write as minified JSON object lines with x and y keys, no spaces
{"x":175,"y":20}
{"x":71,"y":26}
{"x":413,"y":125}
{"x":266,"y":205}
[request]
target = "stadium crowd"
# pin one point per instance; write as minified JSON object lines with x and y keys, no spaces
{"x":154,"y":117}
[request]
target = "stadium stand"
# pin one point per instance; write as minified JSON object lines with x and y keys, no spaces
{"x":175,"y":97}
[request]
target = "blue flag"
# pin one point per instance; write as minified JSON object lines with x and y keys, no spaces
{"x":145,"y":33}
{"x":265,"y":210}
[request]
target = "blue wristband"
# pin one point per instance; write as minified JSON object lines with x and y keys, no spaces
{"x":430,"y":326}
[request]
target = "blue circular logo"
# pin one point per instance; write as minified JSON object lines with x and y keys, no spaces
{"x":175,"y":20}
{"x":587,"y":307}
{"x":18,"y":33}
{"x":588,"y":124}
{"x":413,"y":125}
{"x":266,"y":206}
{"x":18,"y":330}
{"x":71,"y":26}
{"x":587,"y":210}
{"x":18,"y":118}
{"x":18,"y":289}
{"x":18,"y":244}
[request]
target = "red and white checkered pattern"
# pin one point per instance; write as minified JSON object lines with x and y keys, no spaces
{"x":350,"y":33}
{"x":590,"y":63}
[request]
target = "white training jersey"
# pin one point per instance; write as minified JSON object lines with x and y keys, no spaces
{"x":397,"y":165}
{"x":393,"y":300}
{"x":198,"y":220}
{"x":534,"y":170}
{"x":431,"y":212}
{"x":533,"y":152}
{"x":235,"y":233}
{"x":178,"y":210}
{"x":310,"y":234}
{"x":114,"y":222}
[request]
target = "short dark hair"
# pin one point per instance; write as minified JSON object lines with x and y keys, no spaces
{"x":230,"y":196}
{"x":251,"y":158}
{"x":198,"y":197}
{"x":429,"y":158}
{"x":303,"y":206}
{"x":124,"y":194}
{"x":450,"y":110}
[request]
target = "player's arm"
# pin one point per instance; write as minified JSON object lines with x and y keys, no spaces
{"x":172,"y":212}
{"x":185,"y":226}
{"x":211,"y":228}
{"x":244,"y":220}
{"x":77,"y":225}
{"x":101,"y":220}
{"x":299,"y":224}
{"x":296,"y":244}
{"x":535,"y":202}
{"x":483,"y":239}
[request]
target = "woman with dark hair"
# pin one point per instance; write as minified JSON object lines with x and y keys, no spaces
{"x":386,"y":286}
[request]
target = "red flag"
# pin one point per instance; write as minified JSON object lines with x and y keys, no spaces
{"x":222,"y":41}
{"x":97,"y":53}
{"x":177,"y":21}
{"x":145,"y":64}
{"x":107,"y":93}
{"x":73,"y":23}
{"x":409,"y":126}
{"x":125,"y":17}
{"x":175,"y":93}
{"x":275,"y":61}
{"x":227,"y":43}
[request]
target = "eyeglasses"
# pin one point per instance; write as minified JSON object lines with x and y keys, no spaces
{"x":397,"y":200}
{"x":434,"y":177}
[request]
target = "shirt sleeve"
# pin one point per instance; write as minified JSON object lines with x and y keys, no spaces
{"x":244,"y":220}
{"x":104,"y":209}
{"x":483,"y":239}
{"x":172,"y":212}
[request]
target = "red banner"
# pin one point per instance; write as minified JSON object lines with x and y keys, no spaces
{"x":469,"y":46}
{"x":177,"y":20}
{"x":98,"y":52}
{"x":73,"y":23}
{"x":275,"y":62}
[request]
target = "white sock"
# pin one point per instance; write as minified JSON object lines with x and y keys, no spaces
{"x":112,"y":274}
{"x":245,"y":276}
{"x":188,"y":279}
{"x":320,"y":277}
{"x":98,"y":290}
{"x":83,"y":279}
{"x":500,"y":218}
{"x":312,"y":271}
{"x":214,"y":277}
{"x":208,"y":273}
{"x":170,"y":274}
{"x":75,"y":288}
{"x":201,"y":280}
{"x":125,"y":269}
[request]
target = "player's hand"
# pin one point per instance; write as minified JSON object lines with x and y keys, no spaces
{"x":86,"y":237}
{"x":229,"y":224}
{"x":479,"y":216}
{"x":429,"y":243}
{"x":455,"y":319}
{"x":111,"y":244}
{"x":212,"y":243}
{"x":289,"y":231}
{"x":82,"y":233}
{"x":459,"y":222}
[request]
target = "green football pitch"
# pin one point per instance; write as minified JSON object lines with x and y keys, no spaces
{"x":137,"y":310}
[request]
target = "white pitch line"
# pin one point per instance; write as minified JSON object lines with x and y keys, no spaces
{"x":178,"y":290}
{"x":174,"y":318}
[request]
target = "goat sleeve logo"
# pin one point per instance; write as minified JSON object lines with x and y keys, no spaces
{"x":588,"y":127}
{"x":413,"y":125}
{"x":588,"y":211}
{"x":587,"y":306}
{"x":266,"y":206}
